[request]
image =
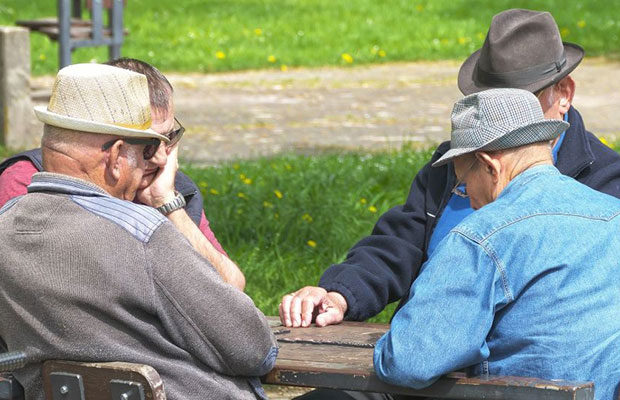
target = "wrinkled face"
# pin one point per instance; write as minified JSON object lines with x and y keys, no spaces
{"x":478,"y":181}
{"x":132,"y":172}
{"x":162,"y":121}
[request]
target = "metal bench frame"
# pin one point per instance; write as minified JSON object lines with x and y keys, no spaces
{"x":114,"y":41}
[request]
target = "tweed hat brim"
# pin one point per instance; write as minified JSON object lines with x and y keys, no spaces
{"x":540,"y":131}
{"x":468,"y":84}
{"x":81,"y":125}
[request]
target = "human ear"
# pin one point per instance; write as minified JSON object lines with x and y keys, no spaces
{"x":114,"y":160}
{"x":565,"y":89}
{"x":491,"y":165}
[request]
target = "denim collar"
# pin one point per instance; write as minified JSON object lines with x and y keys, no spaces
{"x":526,"y":176}
{"x":59,"y":183}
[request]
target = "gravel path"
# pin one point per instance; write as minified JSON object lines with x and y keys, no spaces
{"x":255,"y":113}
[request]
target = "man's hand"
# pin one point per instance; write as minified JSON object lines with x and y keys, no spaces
{"x":301,"y":307}
{"x":161,"y":189}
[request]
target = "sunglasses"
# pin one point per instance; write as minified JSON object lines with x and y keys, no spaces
{"x":150,"y":145}
{"x":175,"y":135}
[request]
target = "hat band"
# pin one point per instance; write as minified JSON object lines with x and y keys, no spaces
{"x":519,"y":78}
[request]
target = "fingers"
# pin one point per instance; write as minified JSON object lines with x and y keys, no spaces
{"x":331,"y":316}
{"x":285,"y":310}
{"x":297,"y":309}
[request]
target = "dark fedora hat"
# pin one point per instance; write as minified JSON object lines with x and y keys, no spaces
{"x":524,"y":50}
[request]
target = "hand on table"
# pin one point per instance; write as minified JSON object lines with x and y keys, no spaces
{"x":312,"y":303}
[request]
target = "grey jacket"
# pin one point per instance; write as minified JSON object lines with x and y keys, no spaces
{"x":89,"y":277}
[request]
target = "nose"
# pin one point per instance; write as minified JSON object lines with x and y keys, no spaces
{"x":160,"y":157}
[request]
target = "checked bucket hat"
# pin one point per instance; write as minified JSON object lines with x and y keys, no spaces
{"x":498,"y":119}
{"x":523,"y":49}
{"x":99,"y":98}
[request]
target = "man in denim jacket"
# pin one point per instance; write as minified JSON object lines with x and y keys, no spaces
{"x":527,"y":285}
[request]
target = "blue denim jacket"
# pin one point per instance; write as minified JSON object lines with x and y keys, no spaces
{"x":529,"y":285}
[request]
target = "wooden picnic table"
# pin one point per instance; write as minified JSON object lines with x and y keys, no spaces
{"x":340,"y":357}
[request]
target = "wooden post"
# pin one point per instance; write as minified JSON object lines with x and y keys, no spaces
{"x":16,"y":113}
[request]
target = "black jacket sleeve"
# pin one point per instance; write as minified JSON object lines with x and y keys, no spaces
{"x":379,"y":269}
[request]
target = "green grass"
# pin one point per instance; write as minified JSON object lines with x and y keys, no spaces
{"x":285,"y":220}
{"x":188,"y":35}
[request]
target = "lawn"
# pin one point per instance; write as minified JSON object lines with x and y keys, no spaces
{"x":285,"y":219}
{"x":222,"y":35}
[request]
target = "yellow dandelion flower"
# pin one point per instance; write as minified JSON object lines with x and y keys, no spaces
{"x":214,"y":191}
{"x":242,"y":176}
{"x":463,"y":40}
{"x":258,"y":31}
{"x":283,"y":68}
{"x":604,"y":141}
{"x":42,"y":57}
{"x":242,"y":195}
{"x":306,"y":217}
{"x":288,"y":166}
{"x":382,"y":53}
{"x":372,"y":209}
{"x":564,"y":32}
{"x":247,"y":181}
{"x":346,"y":57}
{"x":272,"y":58}
{"x":267,"y":204}
{"x":203,"y":184}
{"x":220,"y":55}
{"x":278,"y":194}
{"x":581,"y":24}
{"x":363,"y":200}
{"x":311,"y":243}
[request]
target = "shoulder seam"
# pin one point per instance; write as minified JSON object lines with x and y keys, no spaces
{"x":499,"y":266}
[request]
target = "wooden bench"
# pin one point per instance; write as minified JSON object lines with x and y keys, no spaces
{"x":72,"y":31}
{"x":68,"y":380}
{"x":341,"y":357}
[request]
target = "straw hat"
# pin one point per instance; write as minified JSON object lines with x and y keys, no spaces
{"x":102,"y":99}
{"x":498,"y":119}
{"x":523,"y":49}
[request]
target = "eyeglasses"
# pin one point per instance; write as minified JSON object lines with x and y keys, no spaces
{"x":150,"y":145}
{"x":456,"y":189}
{"x":175,"y":135}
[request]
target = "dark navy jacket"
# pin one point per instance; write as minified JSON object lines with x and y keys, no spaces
{"x":182,"y":183}
{"x":380,"y":268}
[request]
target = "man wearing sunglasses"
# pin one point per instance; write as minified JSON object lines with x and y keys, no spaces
{"x":161,"y":181}
{"x":87,"y":274}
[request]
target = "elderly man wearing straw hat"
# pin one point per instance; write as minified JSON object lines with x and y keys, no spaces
{"x":526,"y":286}
{"x":89,"y":275}
{"x":523,"y":49}
{"x":159,"y":182}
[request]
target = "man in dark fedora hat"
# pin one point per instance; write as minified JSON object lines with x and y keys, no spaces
{"x":524,"y":50}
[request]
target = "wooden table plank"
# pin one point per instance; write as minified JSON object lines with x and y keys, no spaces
{"x":340,"y":357}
